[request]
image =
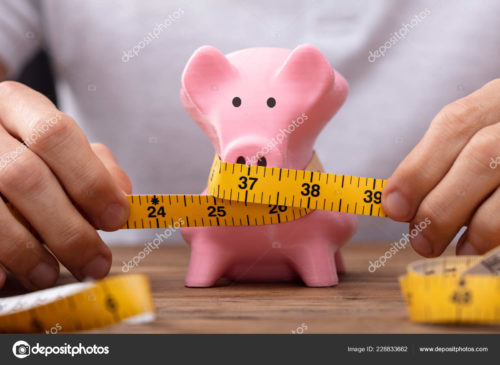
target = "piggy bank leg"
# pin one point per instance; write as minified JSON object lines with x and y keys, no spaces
{"x":339,"y":262}
{"x":315,"y":264}
{"x":207,"y":264}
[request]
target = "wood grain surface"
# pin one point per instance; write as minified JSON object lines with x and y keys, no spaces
{"x":363,"y":302}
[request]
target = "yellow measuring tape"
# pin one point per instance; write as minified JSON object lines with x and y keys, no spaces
{"x":464,"y":289}
{"x":79,"y":306}
{"x":242,"y":195}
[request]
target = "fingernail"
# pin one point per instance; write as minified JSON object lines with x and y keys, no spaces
{"x":396,"y":206}
{"x":466,"y":249}
{"x":422,"y":246}
{"x":97,"y":268}
{"x":43,"y":275}
{"x":113,"y":217}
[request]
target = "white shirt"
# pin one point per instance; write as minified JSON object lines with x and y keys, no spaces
{"x":132,"y":103}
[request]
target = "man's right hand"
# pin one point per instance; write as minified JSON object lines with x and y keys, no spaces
{"x":62,"y":185}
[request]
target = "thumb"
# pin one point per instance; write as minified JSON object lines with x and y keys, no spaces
{"x":109,"y":161}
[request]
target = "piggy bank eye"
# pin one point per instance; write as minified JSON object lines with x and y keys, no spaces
{"x":271,"y":102}
{"x":236,"y":101}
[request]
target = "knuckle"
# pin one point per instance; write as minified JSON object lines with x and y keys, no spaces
{"x":425,"y":211}
{"x":77,"y":240}
{"x":8,"y":88}
{"x":92,"y":185}
{"x":460,"y":117}
{"x":50,"y":131}
{"x":73,"y":237}
{"x":24,"y":174}
{"x":484,"y":145}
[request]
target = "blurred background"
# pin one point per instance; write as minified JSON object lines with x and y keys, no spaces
{"x":38,"y":75}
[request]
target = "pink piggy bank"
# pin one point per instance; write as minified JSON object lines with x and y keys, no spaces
{"x":243,"y":101}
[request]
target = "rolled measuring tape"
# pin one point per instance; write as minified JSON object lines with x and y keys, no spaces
{"x":79,"y":306}
{"x":463,"y":289}
{"x":242,"y":195}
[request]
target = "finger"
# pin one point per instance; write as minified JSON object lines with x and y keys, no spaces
{"x":3,"y":276}
{"x":23,"y":255}
{"x":433,"y":156}
{"x":453,"y":201}
{"x":109,"y":161}
{"x":61,"y":144}
{"x":483,"y":233}
{"x":36,"y":193}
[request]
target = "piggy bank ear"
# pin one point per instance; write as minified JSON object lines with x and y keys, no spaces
{"x":306,"y":72}
{"x":205,"y":73}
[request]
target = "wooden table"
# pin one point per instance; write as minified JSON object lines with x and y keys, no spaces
{"x":363,"y":302}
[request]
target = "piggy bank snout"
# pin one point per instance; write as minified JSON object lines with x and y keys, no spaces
{"x":253,"y":151}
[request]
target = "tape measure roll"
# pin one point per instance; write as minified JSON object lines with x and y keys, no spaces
{"x":463,"y":289}
{"x":242,"y":195}
{"x":79,"y":306}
